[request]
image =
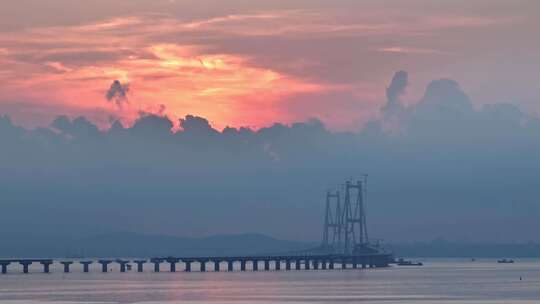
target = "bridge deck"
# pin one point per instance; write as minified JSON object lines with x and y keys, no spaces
{"x":315,"y":262}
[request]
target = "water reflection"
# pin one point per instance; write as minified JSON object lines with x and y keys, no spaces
{"x":440,"y":281}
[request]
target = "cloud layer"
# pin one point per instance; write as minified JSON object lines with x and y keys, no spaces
{"x":444,"y":169}
{"x":253,"y":63}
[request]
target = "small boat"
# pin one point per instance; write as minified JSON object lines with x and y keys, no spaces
{"x":505,"y":261}
{"x":402,"y":262}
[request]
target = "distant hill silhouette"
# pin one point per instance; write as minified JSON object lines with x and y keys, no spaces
{"x":448,"y":249}
{"x":142,"y":245}
{"x":147,"y":245}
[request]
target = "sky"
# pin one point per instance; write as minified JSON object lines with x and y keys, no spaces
{"x":195,"y":118}
{"x":252,"y":63}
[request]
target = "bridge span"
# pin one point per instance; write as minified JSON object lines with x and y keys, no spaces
{"x":215,"y":263}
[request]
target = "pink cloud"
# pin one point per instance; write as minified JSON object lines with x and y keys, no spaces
{"x":252,"y":66}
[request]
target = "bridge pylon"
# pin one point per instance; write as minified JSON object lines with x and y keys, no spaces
{"x":333,"y":227}
{"x":345,"y":226}
{"x":354,"y":213}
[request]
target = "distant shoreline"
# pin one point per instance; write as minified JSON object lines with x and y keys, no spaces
{"x":446,"y":249}
{"x":142,"y":245}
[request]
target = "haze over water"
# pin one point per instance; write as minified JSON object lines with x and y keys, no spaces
{"x":439,"y":281}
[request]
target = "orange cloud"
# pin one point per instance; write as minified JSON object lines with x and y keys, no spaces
{"x":215,"y":67}
{"x":408,"y":50}
{"x":182,"y":79}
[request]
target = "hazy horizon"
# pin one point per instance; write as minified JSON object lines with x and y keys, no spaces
{"x":195,"y":118}
{"x":440,"y":167}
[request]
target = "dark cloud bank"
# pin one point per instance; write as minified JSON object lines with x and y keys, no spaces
{"x":439,"y":168}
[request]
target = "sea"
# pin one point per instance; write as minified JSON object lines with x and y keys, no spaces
{"x":453,"y":281}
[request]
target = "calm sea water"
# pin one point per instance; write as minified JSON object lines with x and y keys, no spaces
{"x":439,"y":281}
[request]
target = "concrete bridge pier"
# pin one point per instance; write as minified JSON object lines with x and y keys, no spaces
{"x":266,"y":265}
{"x":316,"y":265}
{"x":203,"y":265}
{"x":104,"y":265}
{"x":343,"y":264}
{"x":46,"y":266}
{"x":243,"y":265}
{"x":123,"y":265}
{"x":140,"y":263}
{"x":4,"y":265}
{"x":230,"y":265}
{"x":323,"y":264}
{"x":331,"y":264}
{"x":188,"y":266}
{"x":255,"y":265}
{"x":156,"y":265}
{"x":25,"y":265}
{"x":287,"y":264}
{"x":216,"y":266}
{"x":86,"y":265}
{"x":297,"y":265}
{"x":66,"y":266}
{"x":278,"y":264}
{"x":172,"y":264}
{"x":307,"y":264}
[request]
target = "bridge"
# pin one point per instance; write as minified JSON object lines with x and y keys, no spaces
{"x":216,"y":263}
{"x":345,"y":245}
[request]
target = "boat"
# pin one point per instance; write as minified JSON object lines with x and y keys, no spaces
{"x":403,"y":262}
{"x":505,"y":261}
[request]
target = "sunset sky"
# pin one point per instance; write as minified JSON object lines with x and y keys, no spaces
{"x":252,"y":63}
